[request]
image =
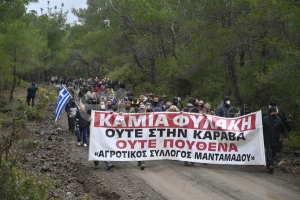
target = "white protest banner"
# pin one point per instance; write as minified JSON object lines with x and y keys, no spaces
{"x":188,"y":137}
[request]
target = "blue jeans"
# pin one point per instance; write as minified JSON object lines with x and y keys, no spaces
{"x":82,"y":132}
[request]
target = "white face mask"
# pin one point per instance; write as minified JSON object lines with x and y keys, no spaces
{"x":102,"y":107}
{"x":228,"y":102}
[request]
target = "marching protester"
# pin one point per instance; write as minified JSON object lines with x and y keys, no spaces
{"x":225,"y":109}
{"x":271,"y":127}
{"x":71,"y":110}
{"x":83,"y":120}
{"x":31,"y":92}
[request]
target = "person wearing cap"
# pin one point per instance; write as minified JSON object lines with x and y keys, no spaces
{"x":225,"y":109}
{"x":188,"y":108}
{"x":271,"y":130}
{"x":280,"y":114}
{"x":176,"y":103}
{"x":142,"y":111}
{"x":245,"y":110}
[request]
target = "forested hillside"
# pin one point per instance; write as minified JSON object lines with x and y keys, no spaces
{"x":248,"y":49}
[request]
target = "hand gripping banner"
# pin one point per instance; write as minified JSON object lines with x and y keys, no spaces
{"x":188,"y":137}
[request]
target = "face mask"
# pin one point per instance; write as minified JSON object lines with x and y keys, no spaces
{"x":155,"y":103}
{"x":102,"y":107}
{"x":227,"y":102}
{"x":273,"y":116}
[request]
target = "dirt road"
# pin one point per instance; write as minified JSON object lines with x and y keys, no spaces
{"x":175,"y":181}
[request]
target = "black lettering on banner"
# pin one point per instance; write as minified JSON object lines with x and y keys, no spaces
{"x":240,"y":137}
{"x":224,"y":136}
{"x":138,"y":133}
{"x":207,"y":135}
{"x":197,"y":134}
{"x":132,"y":154}
{"x":238,"y":158}
{"x":120,"y":132}
{"x":173,"y":153}
{"x":217,"y":155}
{"x":183,"y":154}
{"x":177,"y":152}
{"x":233,"y":157}
{"x":182,"y":132}
{"x":211,"y":156}
{"x":112,"y":153}
{"x":204,"y":156}
{"x":227,"y":157}
{"x":101,"y":154}
{"x":221,"y":157}
{"x":248,"y":156}
{"x":151,"y":153}
{"x":161,"y":131}
{"x":125,"y":154}
{"x":118,"y":154}
{"x":129,"y":132}
{"x":169,"y":132}
{"x":231,"y":136}
{"x":144,"y":153}
{"x":198,"y":156}
{"x":167,"y":153}
{"x":152,"y":133}
{"x":189,"y":154}
{"x":162,"y":153}
{"x":216,"y":135}
{"x":138,"y":154}
{"x":110,"y":133}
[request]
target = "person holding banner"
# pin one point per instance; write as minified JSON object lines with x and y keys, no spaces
{"x":271,"y":125}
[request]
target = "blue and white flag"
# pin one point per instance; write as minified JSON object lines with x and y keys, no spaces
{"x":63,"y":98}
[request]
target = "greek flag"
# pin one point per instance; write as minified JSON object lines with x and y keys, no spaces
{"x":63,"y":98}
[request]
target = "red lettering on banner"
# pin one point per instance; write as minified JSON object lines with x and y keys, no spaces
{"x":179,"y":144}
{"x":132,"y":143}
{"x":170,"y":141}
{"x":121,"y":144}
{"x":201,"y":146}
{"x":232,"y":147}
{"x":174,"y":120}
{"x":212,"y":146}
{"x":190,"y":144}
{"x":142,"y":143}
{"x":152,"y":144}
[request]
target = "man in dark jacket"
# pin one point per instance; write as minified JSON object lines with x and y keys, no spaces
{"x":271,"y":125}
{"x":225,"y":109}
{"x":31,"y":92}
{"x":71,"y":109}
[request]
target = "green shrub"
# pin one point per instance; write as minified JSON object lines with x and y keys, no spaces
{"x":294,"y":141}
{"x":17,"y":185}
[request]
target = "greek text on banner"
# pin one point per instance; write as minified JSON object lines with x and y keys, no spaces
{"x":177,"y":136}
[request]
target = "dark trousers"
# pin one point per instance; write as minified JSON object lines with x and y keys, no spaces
{"x":28,"y":100}
{"x":271,"y":152}
{"x":72,"y":123}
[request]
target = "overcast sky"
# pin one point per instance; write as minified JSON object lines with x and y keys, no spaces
{"x":68,"y":4}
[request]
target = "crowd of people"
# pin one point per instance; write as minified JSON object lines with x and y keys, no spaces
{"x":109,"y":95}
